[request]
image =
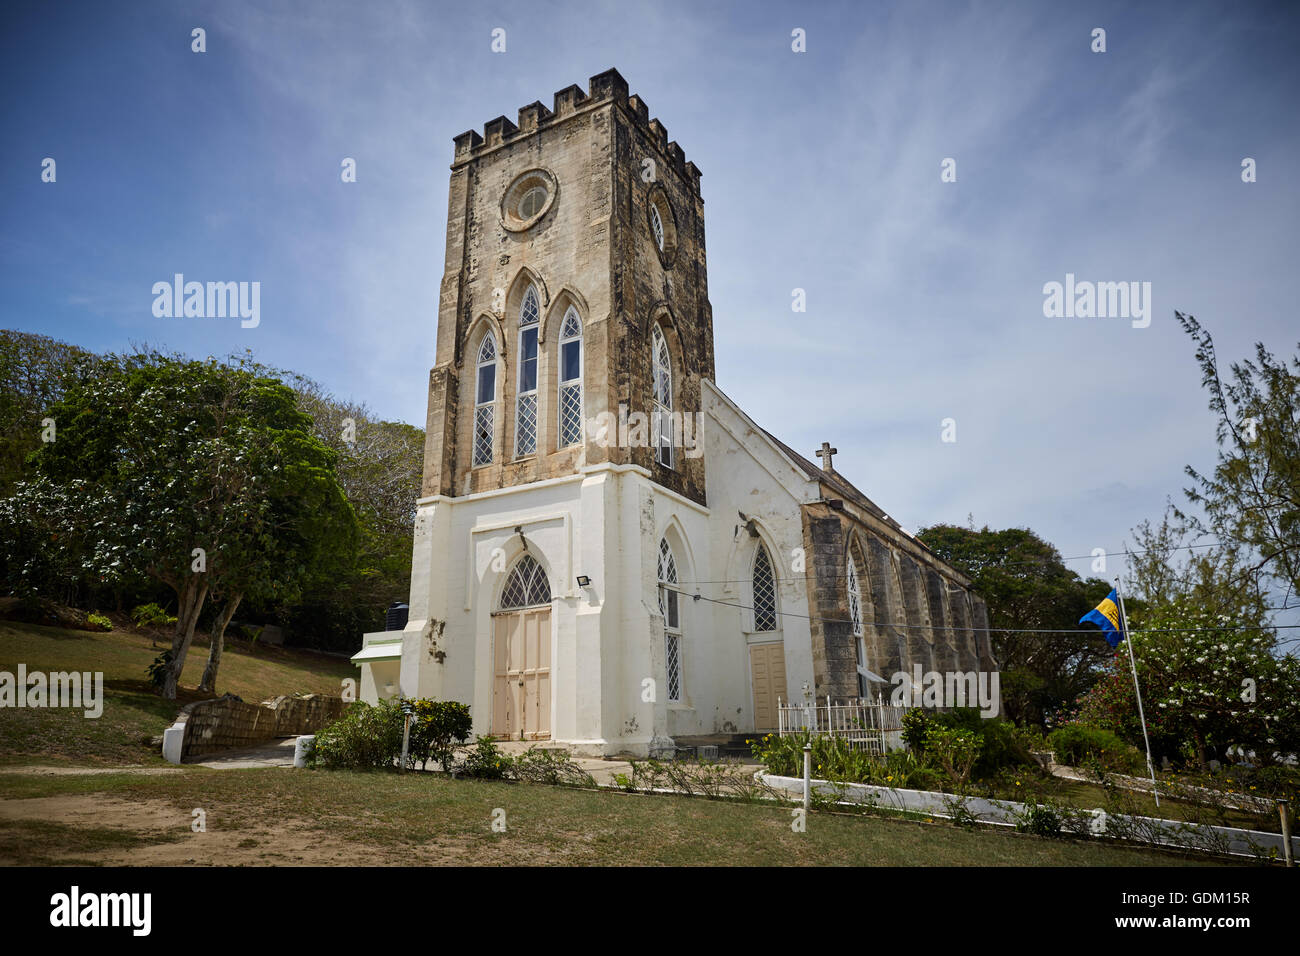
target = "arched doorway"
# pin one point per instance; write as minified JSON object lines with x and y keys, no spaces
{"x":521,"y":654}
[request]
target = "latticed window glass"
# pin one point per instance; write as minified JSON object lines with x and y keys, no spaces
{"x":657,"y":224}
{"x":661,"y":423}
{"x":764,"y":591}
{"x":672,"y":620}
{"x":526,"y":402}
{"x":530,"y":308}
{"x":526,"y":586}
{"x":855,"y":597}
{"x":485,"y":393}
{"x":570,"y":379}
{"x":673,"y":655}
{"x":855,"y":613}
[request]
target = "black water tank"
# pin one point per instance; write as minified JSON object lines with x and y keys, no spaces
{"x":395,"y":619}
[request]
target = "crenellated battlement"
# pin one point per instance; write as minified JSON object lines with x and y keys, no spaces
{"x":602,"y":87}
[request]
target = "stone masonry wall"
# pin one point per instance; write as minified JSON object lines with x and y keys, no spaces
{"x":912,"y":613}
{"x":592,"y":249}
{"x":227,"y":723}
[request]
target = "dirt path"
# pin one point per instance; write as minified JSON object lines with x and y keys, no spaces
{"x":286,"y":842}
{"x":38,"y":771}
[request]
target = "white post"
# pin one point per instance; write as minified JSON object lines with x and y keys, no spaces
{"x":807,"y":776}
{"x":406,"y":740}
{"x":1286,"y":832}
{"x":1136,"y":690}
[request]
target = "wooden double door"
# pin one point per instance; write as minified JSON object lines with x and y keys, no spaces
{"x":767,"y":677}
{"x":521,"y":682}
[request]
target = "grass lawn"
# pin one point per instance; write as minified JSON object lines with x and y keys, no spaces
{"x":278,"y":816}
{"x":133,"y":711}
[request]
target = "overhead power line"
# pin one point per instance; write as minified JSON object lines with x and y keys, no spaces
{"x":996,"y":630}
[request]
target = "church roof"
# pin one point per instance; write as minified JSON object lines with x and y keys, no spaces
{"x":834,"y":480}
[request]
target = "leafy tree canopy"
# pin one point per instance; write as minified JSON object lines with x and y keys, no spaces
{"x":1029,"y":589}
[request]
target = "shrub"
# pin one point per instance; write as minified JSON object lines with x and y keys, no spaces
{"x":1076,"y":744}
{"x":365,"y":738}
{"x":915,"y":724}
{"x":834,"y":760}
{"x":549,"y":766}
{"x":1000,"y":746}
{"x":157,"y":671}
{"x":1041,"y":819}
{"x":437,"y":729}
{"x":955,"y":749}
{"x":486,"y":761}
{"x":151,"y":615}
{"x":99,"y":621}
{"x":1030,"y":738}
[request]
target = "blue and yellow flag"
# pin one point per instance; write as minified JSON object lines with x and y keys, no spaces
{"x":1106,"y":617}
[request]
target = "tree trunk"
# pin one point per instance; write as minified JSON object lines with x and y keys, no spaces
{"x":209,"y":682}
{"x":190,"y":605}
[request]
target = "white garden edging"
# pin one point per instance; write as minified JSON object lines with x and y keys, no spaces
{"x":1237,"y":842}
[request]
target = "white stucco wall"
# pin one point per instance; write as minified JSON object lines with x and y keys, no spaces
{"x":607,"y":640}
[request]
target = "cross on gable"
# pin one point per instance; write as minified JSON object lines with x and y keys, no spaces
{"x":824,"y":453}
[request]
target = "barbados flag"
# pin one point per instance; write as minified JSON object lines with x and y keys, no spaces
{"x":1106,"y":617}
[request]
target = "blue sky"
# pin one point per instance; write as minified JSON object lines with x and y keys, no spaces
{"x":821,"y":171}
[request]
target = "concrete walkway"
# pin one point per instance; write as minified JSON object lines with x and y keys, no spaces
{"x":274,"y":753}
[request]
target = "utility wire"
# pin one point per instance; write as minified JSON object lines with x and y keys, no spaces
{"x":1007,"y":564}
{"x":998,"y":630}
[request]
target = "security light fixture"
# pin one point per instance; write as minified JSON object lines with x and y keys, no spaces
{"x":584,"y":581}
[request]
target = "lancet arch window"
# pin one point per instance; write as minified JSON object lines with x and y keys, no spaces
{"x":662,"y":423}
{"x":764,"y":588}
{"x":669,"y":607}
{"x":570,"y":395}
{"x":485,"y":394}
{"x":526,"y":396}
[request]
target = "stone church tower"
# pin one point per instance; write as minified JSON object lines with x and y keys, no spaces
{"x":590,"y":206}
{"x":608,"y":552}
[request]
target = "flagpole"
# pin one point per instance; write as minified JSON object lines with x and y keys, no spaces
{"x":1133,"y":663}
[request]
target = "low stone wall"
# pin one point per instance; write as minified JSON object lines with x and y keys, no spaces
{"x":227,"y":723}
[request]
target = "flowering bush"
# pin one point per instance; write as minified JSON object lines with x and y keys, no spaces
{"x":1206,"y":684}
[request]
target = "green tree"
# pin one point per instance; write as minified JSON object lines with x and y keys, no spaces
{"x":1028,"y":589}
{"x":34,"y":370}
{"x":1167,"y":567}
{"x":1253,"y":494}
{"x":380,"y":466}
{"x":300,"y":535}
{"x":202,"y":476}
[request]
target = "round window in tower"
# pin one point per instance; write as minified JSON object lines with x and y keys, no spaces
{"x":527,"y":200}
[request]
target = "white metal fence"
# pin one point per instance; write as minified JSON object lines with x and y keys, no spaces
{"x":873,"y":726}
